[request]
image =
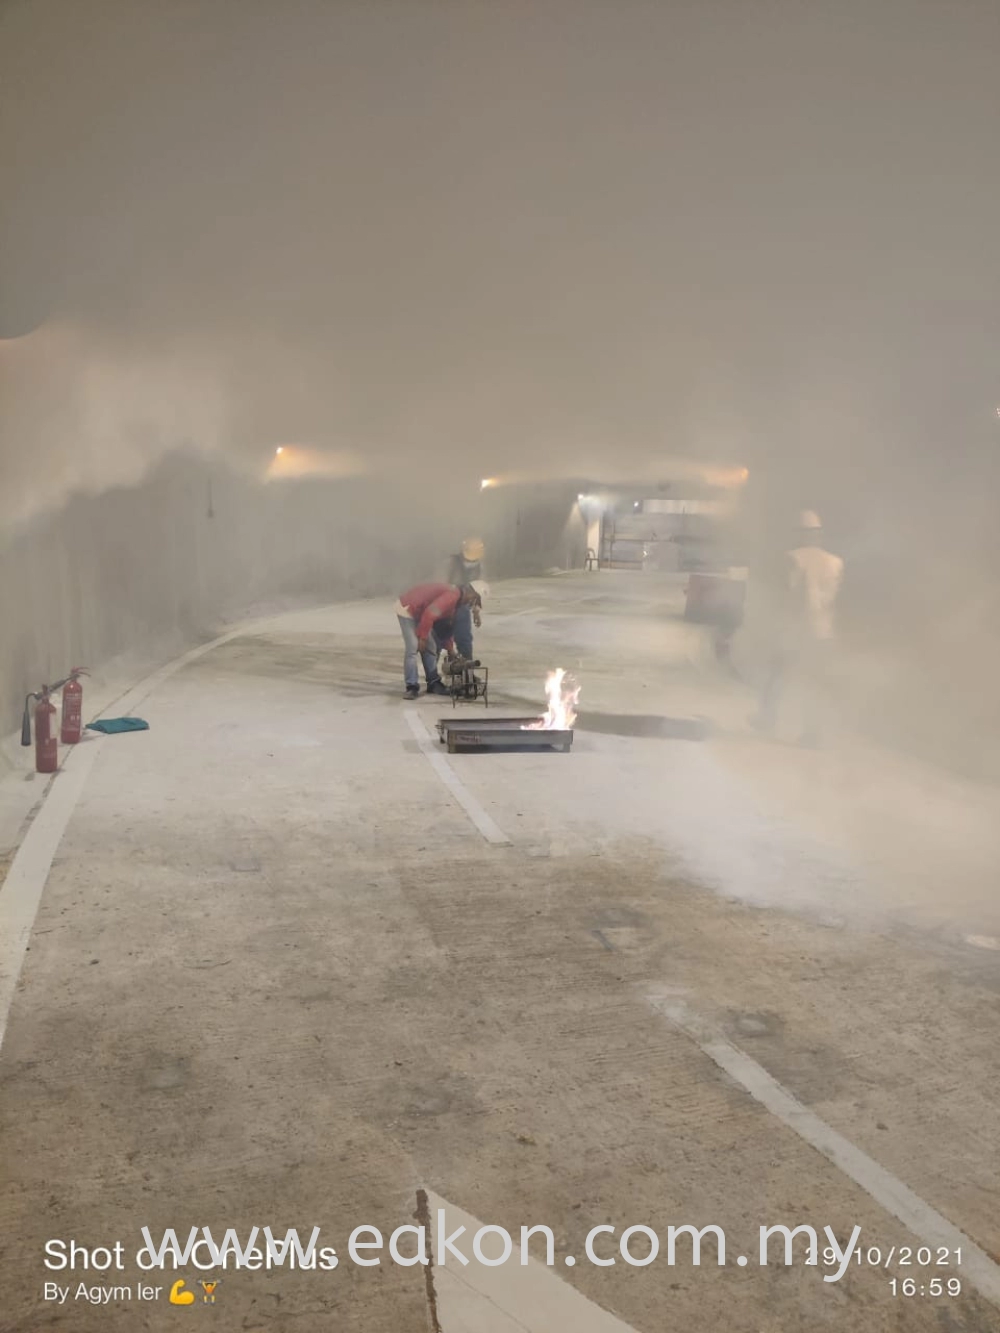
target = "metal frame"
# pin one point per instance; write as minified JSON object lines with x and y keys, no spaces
{"x":470,"y":685}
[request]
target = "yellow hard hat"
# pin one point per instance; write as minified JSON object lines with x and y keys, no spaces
{"x":472,"y":549}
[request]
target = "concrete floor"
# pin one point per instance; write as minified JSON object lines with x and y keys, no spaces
{"x":279,"y":976}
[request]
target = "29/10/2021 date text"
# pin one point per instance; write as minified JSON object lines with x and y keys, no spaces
{"x":903,"y":1257}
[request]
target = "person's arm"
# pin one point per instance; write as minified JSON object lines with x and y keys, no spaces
{"x":476,"y":572}
{"x":442,"y":608}
{"x":838,"y":578}
{"x":444,"y":634}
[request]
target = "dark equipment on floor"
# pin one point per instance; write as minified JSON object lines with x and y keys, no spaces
{"x":500,"y":733}
{"x":467,"y":681}
{"x":715,"y":599}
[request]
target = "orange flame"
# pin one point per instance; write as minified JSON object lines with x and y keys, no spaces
{"x":562,"y":693}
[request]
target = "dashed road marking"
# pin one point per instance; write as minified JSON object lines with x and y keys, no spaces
{"x":490,"y":830}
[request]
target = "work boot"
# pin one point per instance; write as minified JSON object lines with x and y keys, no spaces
{"x":412,"y":691}
{"x":437,"y":687}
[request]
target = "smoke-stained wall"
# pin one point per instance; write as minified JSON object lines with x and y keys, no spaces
{"x":529,"y":529}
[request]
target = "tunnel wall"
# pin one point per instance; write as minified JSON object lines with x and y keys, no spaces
{"x":531,"y":529}
{"x":147,"y":570}
{"x":144,"y":571}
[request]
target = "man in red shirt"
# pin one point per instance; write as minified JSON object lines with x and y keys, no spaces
{"x":417,"y":610}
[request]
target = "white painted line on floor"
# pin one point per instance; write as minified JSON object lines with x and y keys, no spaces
{"x":486,"y":826}
{"x":509,"y":1298}
{"x":22,"y":889}
{"x":140,"y":692}
{"x":29,"y":870}
{"x":885,"y":1188}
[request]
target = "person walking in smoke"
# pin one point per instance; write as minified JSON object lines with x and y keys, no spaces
{"x":812,"y":580}
{"x":466,"y":567}
{"x":418,"y":610}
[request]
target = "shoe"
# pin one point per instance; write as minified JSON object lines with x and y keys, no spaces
{"x":412,"y":691}
{"x":438,"y":687}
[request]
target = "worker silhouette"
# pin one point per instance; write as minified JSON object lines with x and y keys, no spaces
{"x":466,"y":567}
{"x":804,"y":640}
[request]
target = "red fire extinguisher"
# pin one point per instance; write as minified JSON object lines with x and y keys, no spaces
{"x":72,"y":708}
{"x":46,"y":745}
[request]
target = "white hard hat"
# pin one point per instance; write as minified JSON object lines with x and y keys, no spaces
{"x":809,"y":519}
{"x":480,"y":588}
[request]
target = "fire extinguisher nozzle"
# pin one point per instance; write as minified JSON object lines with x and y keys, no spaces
{"x":26,"y":721}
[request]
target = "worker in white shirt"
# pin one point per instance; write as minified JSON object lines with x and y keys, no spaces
{"x":812,"y":583}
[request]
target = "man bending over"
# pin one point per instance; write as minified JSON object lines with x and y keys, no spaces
{"x":417,"y":610}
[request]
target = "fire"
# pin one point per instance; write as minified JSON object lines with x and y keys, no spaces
{"x":562,"y":693}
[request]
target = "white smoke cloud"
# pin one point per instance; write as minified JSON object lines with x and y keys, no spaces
{"x":84,"y":411}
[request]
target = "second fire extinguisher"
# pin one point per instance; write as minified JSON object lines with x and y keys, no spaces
{"x":72,"y":708}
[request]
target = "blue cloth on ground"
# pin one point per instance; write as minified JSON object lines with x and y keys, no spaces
{"x":110,"y":725}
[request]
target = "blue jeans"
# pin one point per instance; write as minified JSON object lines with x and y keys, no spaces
{"x":463,"y":630}
{"x":412,"y":652}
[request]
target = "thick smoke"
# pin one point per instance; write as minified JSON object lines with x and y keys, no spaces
{"x":456,"y":241}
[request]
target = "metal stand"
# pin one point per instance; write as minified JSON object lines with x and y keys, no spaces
{"x":469,"y":682}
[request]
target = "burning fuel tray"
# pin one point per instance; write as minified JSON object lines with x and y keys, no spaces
{"x":499,"y":733}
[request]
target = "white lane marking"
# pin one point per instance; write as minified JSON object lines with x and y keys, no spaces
{"x":486,"y":826}
{"x":509,"y":1298}
{"x":29,"y":870}
{"x":145,"y":687}
{"x":22,"y":889}
{"x":885,"y":1188}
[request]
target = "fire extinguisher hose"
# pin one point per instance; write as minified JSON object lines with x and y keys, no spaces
{"x":26,"y":719}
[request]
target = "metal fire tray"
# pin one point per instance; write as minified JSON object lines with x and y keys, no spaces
{"x":499,"y":733}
